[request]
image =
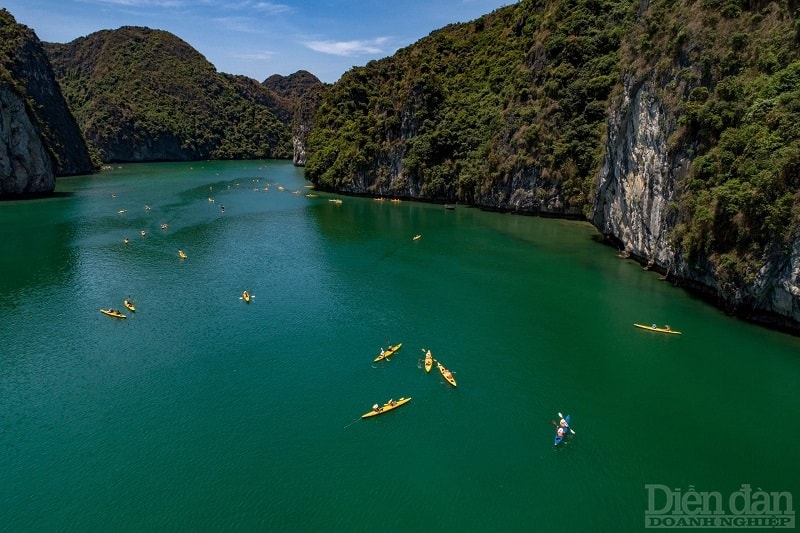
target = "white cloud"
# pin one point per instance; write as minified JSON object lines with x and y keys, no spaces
{"x":256,"y":56}
{"x":348,"y":48}
{"x":247,"y":5}
{"x":140,"y":3}
{"x":271,"y":7}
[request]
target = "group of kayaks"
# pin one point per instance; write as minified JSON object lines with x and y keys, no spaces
{"x":446,"y":374}
{"x":429,"y":360}
{"x":246,"y":296}
{"x":563,"y":427}
{"x":116,"y":313}
{"x":428,"y":364}
{"x":130,"y":306}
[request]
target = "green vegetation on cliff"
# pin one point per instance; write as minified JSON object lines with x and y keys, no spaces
{"x":142,"y":94}
{"x":13,"y":39}
{"x":732,"y":75}
{"x":520,"y":91}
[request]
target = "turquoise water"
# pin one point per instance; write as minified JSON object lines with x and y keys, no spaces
{"x":202,"y":412}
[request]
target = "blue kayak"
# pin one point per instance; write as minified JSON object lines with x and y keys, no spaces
{"x":560,"y":437}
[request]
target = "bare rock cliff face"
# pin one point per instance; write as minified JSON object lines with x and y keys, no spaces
{"x":25,"y":166}
{"x":58,"y":126}
{"x":299,"y":137}
{"x":639,"y":180}
{"x":39,"y":137}
{"x":528,"y":192}
{"x":778,"y":286}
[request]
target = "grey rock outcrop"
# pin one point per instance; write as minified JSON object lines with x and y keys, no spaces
{"x":299,"y":140}
{"x":637,"y":180}
{"x":778,"y":287}
{"x":25,"y":166}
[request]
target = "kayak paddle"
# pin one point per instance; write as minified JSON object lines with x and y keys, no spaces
{"x":570,"y":427}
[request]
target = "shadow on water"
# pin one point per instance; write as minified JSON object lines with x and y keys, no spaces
{"x":56,"y":195}
{"x":62,"y":194}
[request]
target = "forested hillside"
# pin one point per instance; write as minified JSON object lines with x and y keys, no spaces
{"x":463,"y":113}
{"x":141,"y":94}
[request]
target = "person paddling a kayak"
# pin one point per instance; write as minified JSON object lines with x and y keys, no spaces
{"x":562,"y":428}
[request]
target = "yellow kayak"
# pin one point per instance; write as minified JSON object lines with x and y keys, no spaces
{"x":246,"y":296}
{"x":388,"y":352}
{"x":428,"y":361}
{"x":665,"y":329}
{"x":446,"y":373}
{"x":112,"y":312}
{"x":129,"y":305}
{"x":181,"y":254}
{"x":388,"y":406}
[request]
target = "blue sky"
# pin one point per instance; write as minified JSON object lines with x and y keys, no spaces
{"x":260,"y":38}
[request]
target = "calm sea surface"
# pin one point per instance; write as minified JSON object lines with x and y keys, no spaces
{"x":200,"y":412}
